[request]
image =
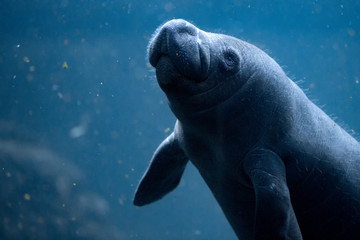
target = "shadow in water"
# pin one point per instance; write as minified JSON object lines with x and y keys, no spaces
{"x":44,"y":196}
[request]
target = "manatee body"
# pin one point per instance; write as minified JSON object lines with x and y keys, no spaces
{"x":279,"y":167}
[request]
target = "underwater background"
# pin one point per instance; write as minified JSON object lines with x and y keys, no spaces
{"x":81,"y":112}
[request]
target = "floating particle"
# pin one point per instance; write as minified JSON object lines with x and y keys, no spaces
{"x":55,"y":87}
{"x":65,"y":65}
{"x":26,"y":59}
{"x":40,"y":220}
{"x":169,"y":7}
{"x":114,"y":135}
{"x":166,"y":130}
{"x":27,"y":197}
{"x":20,"y":226}
{"x":78,"y":131}
{"x":74,"y":184}
{"x":351,"y":32}
{"x":63,"y":205}
{"x":29,"y":77}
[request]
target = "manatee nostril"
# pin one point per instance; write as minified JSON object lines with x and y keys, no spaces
{"x":189,"y":29}
{"x":181,"y":26}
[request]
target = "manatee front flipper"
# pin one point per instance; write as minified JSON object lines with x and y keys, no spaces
{"x":274,"y":214}
{"x":164,"y":173}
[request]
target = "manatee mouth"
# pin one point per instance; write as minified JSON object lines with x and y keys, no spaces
{"x":179,"y":48}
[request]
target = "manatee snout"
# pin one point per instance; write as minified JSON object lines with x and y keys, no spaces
{"x":178,"y":46}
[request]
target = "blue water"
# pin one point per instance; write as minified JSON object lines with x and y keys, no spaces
{"x":81,"y":112}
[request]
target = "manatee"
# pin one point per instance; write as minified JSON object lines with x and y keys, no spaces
{"x":278,"y":166}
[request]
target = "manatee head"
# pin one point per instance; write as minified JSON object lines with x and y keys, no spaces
{"x":199,"y":70}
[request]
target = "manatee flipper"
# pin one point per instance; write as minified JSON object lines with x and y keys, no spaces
{"x":274,"y":214}
{"x":164,"y":173}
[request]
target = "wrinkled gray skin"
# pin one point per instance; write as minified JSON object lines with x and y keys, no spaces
{"x":279,"y":167}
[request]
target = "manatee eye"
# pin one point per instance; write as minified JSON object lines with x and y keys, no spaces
{"x":230,"y":60}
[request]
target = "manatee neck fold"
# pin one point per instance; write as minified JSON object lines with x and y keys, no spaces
{"x":194,"y":105}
